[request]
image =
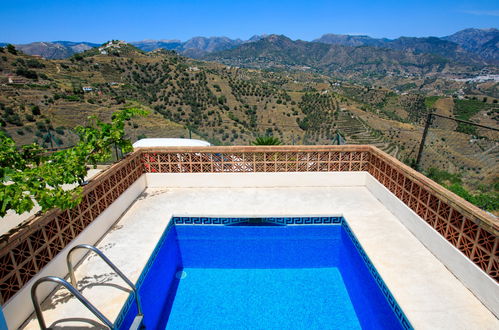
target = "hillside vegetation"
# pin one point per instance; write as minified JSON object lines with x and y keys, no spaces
{"x":41,"y":100}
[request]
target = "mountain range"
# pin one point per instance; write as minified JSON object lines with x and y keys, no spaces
{"x":406,"y":57}
{"x":475,"y":44}
{"x":42,"y":100}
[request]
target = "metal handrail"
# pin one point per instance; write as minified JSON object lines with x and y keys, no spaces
{"x":74,"y":292}
{"x":100,"y":254}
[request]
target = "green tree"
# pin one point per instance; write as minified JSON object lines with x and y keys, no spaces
{"x":11,"y":49}
{"x":30,"y":174}
{"x":266,"y":141}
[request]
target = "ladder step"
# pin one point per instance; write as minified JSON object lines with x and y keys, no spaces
{"x":137,"y":322}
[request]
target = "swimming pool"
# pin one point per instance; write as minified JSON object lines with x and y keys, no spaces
{"x":265,"y":273}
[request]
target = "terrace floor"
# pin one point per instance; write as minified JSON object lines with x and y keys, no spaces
{"x":430,"y":295}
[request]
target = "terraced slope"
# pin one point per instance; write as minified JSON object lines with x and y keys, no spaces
{"x":356,"y":131}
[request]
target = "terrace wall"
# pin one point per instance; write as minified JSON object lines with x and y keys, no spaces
{"x":474,"y":232}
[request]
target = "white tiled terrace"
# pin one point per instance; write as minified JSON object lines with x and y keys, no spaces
{"x":428,"y":292}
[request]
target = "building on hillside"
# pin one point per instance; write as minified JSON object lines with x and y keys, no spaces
{"x":87,"y":88}
{"x":16,"y":80}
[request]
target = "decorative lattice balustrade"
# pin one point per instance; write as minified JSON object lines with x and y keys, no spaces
{"x":35,"y":243}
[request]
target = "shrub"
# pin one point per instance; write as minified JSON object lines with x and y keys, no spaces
{"x":11,"y":49}
{"x":266,"y":141}
{"x":32,"y":63}
{"x":35,"y":110}
{"x":30,"y":74}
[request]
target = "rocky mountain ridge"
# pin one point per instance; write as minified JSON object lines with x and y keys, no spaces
{"x":482,"y":43}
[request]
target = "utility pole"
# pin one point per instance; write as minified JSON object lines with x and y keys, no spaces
{"x":116,"y":151}
{"x":423,"y":139}
{"x":50,"y":137}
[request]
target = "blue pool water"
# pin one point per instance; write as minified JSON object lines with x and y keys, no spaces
{"x":262,"y":277}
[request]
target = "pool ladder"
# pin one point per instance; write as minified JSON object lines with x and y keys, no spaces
{"x":71,"y":287}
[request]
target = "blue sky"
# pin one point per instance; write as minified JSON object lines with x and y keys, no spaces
{"x":23,"y":21}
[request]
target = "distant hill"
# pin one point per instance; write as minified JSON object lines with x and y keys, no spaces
{"x":42,"y":100}
{"x":350,"y":40}
{"x":56,"y":49}
{"x":473,"y":46}
{"x":484,"y":42}
{"x":448,"y":47}
{"x":150,"y":45}
{"x":195,"y":47}
{"x":406,"y":56}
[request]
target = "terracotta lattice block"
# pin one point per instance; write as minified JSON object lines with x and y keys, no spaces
{"x":493,"y":270}
{"x":163,"y":158}
{"x":74,"y":213}
{"x":26,"y":271}
{"x":78,"y":226}
{"x":206,"y":168}
{"x":312,"y":156}
{"x":406,"y":197}
{"x":467,"y":239}
{"x":334,"y":156}
{"x":413,"y":203}
{"x":94,"y":210}
{"x":486,"y":240}
{"x":356,"y":156}
{"x":452,"y":235}
{"x":470,"y":229}
{"x":382,"y":167}
{"x":400,"y":179}
{"x":344,"y":166}
{"x":334,"y":167}
{"x":54,"y":246}
{"x":9,"y":286}
{"x":416,"y":188}
{"x":456,"y":221}
{"x":421,"y":211}
{"x":67,"y":235}
{"x":91,"y":197}
{"x":42,"y":257}
{"x":281,"y":167}
{"x":260,"y":157}
{"x":270,"y":167}
{"x":270,"y":157}
{"x":165,"y":168}
{"x":481,"y":258}
{"x":324,"y":156}
{"x":444,"y":210}
{"x":345,"y":156}
{"x":388,"y":171}
{"x":83,"y":206}
{"x":433,"y":203}
{"x":154,"y":168}
{"x":174,"y":158}
{"x":431,"y":218}
{"x":196,"y":168}
{"x":440,"y":225}
{"x":408,"y":185}
{"x":86,"y":217}
{"x":391,"y":185}
{"x":6,"y":265}
{"x":51,"y":229}
{"x":37,"y":239}
{"x":312,"y":167}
